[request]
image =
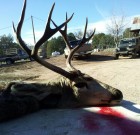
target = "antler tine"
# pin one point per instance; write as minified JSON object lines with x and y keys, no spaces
{"x":72,"y":51}
{"x":48,"y":31}
{"x":64,"y":32}
{"x":47,"y":34}
{"x":18,"y":31}
{"x":65,"y":37}
{"x":84,"y":40}
{"x":84,"y":36}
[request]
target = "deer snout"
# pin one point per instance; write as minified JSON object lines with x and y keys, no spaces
{"x":117,"y":97}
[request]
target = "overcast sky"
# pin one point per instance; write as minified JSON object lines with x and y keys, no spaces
{"x":97,"y":12}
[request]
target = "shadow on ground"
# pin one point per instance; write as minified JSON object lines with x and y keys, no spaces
{"x":96,"y":58}
{"x":130,"y":106}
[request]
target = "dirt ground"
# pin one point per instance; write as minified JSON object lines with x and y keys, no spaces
{"x":123,"y":74}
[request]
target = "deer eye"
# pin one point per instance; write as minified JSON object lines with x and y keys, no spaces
{"x":80,"y":85}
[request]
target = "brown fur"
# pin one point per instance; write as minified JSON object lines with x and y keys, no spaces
{"x":21,"y":98}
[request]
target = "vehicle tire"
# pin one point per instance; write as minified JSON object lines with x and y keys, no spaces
{"x":134,"y":55}
{"x":31,"y":59}
{"x":116,"y":56}
{"x":88,"y":55}
{"x":9,"y":61}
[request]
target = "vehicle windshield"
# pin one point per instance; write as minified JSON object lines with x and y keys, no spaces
{"x":123,"y":42}
{"x":74,"y":43}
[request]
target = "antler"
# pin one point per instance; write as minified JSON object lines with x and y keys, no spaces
{"x":72,"y":51}
{"x":47,"y":34}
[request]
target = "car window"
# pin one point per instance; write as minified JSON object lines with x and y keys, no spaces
{"x":127,"y":41}
{"x":74,"y":43}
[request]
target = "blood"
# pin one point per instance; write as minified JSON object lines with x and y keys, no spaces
{"x":110,"y":111}
{"x":110,"y":120}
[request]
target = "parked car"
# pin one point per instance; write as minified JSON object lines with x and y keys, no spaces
{"x":54,"y":54}
{"x":84,"y":50}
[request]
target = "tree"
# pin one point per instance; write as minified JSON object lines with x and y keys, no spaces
{"x":51,"y":46}
{"x":116,"y":27}
{"x":79,"y":34}
{"x":127,"y":33}
{"x":102,"y":41}
{"x":71,"y":37}
{"x":96,"y":40}
{"x":7,"y":42}
{"x":58,"y":44}
{"x":55,"y":44}
{"x":109,"y":41}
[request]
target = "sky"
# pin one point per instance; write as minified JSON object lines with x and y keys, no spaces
{"x":97,"y":12}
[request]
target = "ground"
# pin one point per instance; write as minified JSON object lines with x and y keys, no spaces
{"x":123,"y":74}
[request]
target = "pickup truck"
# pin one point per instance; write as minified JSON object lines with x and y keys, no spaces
{"x":11,"y":55}
{"x":84,"y":50}
{"x":128,"y":47}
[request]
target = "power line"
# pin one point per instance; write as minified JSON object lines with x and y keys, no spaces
{"x":38,"y":19}
{"x":8,"y":27}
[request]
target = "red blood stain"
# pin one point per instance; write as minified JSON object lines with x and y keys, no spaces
{"x":110,"y":121}
{"x":110,"y":111}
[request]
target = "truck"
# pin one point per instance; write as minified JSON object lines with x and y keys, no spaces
{"x":84,"y":50}
{"x":128,"y":47}
{"x":9,"y":56}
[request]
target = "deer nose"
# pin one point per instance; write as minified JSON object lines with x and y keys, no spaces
{"x":117,"y":95}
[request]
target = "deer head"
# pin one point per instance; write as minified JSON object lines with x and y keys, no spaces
{"x":90,"y":91}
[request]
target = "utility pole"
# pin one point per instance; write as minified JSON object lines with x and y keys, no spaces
{"x":33,"y":29}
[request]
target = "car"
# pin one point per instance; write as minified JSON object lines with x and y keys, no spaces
{"x":54,"y":54}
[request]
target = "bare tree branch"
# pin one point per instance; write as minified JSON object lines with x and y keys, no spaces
{"x":116,"y":26}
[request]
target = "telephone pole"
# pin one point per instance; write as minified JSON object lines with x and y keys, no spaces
{"x":33,"y":29}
